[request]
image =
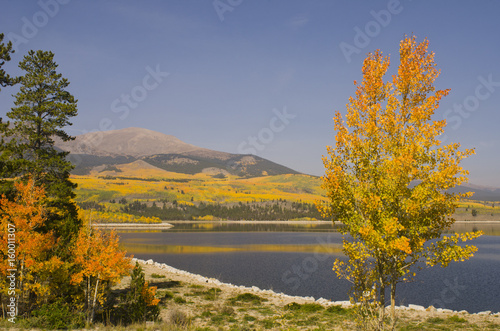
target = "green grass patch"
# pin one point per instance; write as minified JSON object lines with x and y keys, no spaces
{"x":248,"y":298}
{"x":157,"y":276}
{"x":196,"y":286}
{"x":435,"y":320}
{"x":179,"y":300}
{"x":338,"y":310}
{"x":268,"y":323}
{"x":166,"y":295}
{"x":307,"y":307}
{"x":210,"y":294}
{"x":457,"y":319}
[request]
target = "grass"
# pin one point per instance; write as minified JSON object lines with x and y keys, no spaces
{"x":247,"y":298}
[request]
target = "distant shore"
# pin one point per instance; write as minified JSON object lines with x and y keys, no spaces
{"x":171,"y":224}
{"x":147,"y":226}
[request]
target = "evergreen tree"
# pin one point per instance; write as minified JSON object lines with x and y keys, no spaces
{"x":5,"y":80}
{"x":141,"y":303}
{"x":43,"y":109}
{"x":5,"y":51}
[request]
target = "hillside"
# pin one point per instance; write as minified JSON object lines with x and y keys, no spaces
{"x":141,"y":189}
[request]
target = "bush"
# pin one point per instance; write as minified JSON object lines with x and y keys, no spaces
{"x":248,"y":297}
{"x":337,"y":310}
{"x":178,"y":317}
{"x":57,"y":315}
{"x":457,"y":319}
{"x":141,"y":304}
{"x":292,"y":306}
{"x":179,"y":300}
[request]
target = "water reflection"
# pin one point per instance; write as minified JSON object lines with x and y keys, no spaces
{"x":193,"y":249}
{"x":258,"y":226}
{"x":489,"y":228}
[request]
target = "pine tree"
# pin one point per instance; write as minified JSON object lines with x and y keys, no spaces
{"x":5,"y":80}
{"x":5,"y":51}
{"x":42,"y":109}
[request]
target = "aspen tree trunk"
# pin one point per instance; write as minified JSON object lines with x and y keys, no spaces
{"x":95,"y":298}
{"x":382,"y":307}
{"x":393,"y":305}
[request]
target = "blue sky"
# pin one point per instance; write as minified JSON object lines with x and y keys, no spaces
{"x":262,"y":76}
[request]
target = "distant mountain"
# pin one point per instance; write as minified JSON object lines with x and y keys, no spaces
{"x":97,"y":149}
{"x":134,"y":142}
{"x":481,"y":193}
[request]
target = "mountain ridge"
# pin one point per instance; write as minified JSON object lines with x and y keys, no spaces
{"x":164,"y":151}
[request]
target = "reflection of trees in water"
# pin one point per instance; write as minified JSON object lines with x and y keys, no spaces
{"x":489,"y":229}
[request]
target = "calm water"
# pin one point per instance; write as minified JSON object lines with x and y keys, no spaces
{"x":298,"y":260}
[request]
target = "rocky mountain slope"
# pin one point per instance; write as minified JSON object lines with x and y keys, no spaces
{"x":97,"y":149}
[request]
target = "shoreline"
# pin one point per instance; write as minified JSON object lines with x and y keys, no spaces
{"x":284,"y":299}
{"x":147,"y":226}
{"x":170,"y":224}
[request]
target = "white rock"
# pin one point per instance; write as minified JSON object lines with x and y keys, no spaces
{"x":463,"y":312}
{"x":149,"y":261}
{"x":416,"y":307}
{"x":487,"y":312}
{"x":255,"y":288}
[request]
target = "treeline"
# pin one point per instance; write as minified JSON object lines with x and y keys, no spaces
{"x":114,"y":217}
{"x":176,"y":180}
{"x":268,"y":211}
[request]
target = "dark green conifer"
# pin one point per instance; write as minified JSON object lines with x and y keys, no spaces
{"x":43,"y":107}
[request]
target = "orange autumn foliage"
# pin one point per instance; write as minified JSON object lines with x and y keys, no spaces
{"x":98,"y":255}
{"x":99,"y":261}
{"x":148,"y":293}
{"x":30,"y":255}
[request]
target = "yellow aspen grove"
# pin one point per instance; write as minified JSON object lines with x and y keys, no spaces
{"x":387,"y":180}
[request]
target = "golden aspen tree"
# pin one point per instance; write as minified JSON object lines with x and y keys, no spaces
{"x":99,"y":262}
{"x":387,"y":179}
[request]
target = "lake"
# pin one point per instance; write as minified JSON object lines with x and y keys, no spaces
{"x":297,"y":259}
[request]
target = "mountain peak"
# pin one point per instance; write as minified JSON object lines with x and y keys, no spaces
{"x":136,"y":142}
{"x":163,"y":152}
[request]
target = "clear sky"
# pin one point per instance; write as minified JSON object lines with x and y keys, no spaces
{"x":261,"y":76}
